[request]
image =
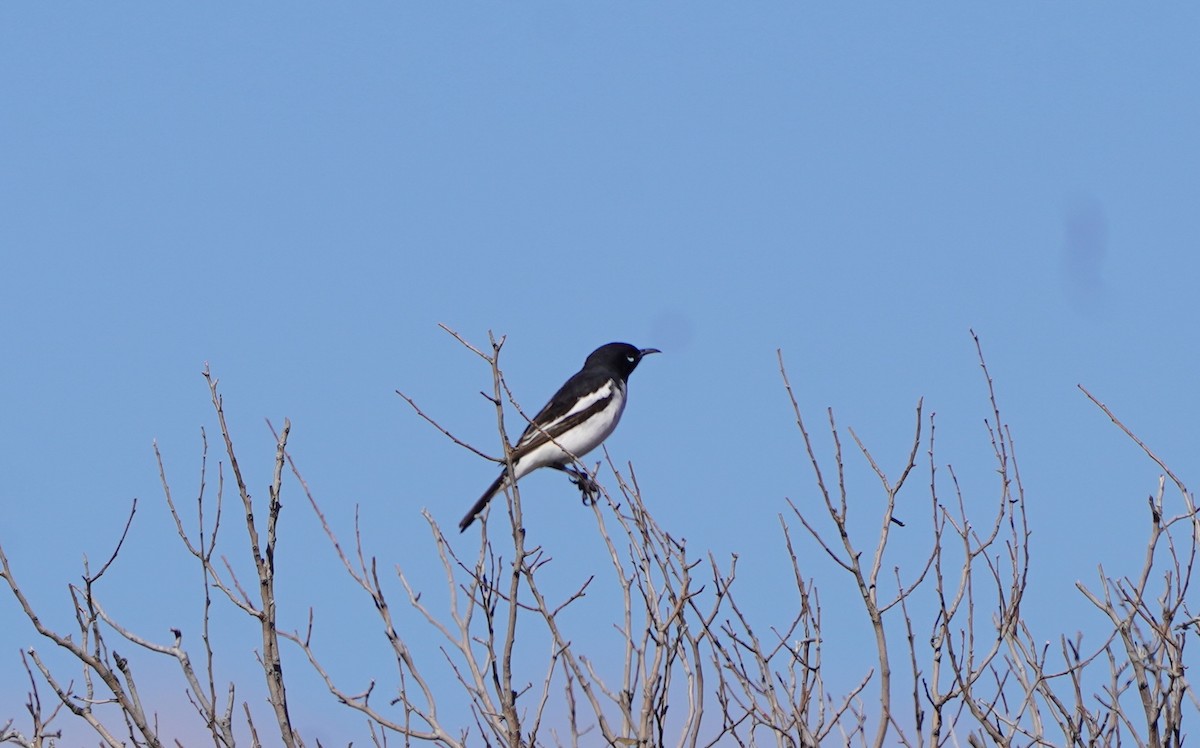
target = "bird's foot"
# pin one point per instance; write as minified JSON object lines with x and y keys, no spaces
{"x":589,"y":490}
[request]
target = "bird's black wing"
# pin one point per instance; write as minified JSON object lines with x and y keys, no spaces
{"x":552,"y":421}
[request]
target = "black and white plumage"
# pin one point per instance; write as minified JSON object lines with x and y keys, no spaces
{"x":577,"y":419}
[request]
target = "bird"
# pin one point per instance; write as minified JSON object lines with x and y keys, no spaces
{"x":581,"y":415}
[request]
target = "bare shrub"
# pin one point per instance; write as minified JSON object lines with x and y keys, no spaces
{"x":954,"y":660}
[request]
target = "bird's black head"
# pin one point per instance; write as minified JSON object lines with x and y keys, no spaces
{"x":622,"y":357}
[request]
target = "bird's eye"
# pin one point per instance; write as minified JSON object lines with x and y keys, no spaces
{"x":631,"y":359}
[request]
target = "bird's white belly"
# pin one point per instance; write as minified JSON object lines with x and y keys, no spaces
{"x":578,"y":441}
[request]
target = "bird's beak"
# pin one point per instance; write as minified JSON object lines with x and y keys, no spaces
{"x":648,"y":351}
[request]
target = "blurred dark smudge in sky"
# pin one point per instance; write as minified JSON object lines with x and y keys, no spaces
{"x":1085,"y":244}
{"x":671,"y":329}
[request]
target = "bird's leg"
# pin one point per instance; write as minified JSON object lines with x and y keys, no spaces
{"x":589,"y":489}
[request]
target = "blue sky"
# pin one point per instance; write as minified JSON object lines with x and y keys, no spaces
{"x":299,"y":194}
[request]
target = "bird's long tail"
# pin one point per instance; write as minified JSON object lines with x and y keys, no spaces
{"x":480,"y":505}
